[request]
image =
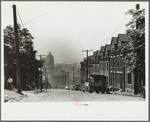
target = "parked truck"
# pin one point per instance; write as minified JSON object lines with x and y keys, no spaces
{"x":98,"y":84}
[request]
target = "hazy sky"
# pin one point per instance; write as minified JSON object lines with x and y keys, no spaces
{"x":67,"y":28}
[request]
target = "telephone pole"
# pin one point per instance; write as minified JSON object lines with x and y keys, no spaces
{"x":41,"y":71}
{"x":46,"y":82}
{"x":18,"y":73}
{"x":73,"y":75}
{"x":87,"y":61}
{"x":68,"y":78}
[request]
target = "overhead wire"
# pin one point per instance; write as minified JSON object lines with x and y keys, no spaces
{"x":20,"y":18}
{"x":117,"y":28}
{"x":41,"y":15}
{"x":107,"y":19}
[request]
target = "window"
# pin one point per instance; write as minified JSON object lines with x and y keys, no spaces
{"x":114,"y":63}
{"x":97,"y":68}
{"x":100,"y":66}
{"x":129,"y":78}
{"x":93,"y":68}
{"x":117,"y":61}
{"x":118,"y":78}
{"x":107,"y":66}
{"x":121,"y":62}
{"x":116,"y":46}
{"x":111,"y":82}
{"x":121,"y":81}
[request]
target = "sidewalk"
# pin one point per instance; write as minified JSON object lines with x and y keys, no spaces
{"x":12,"y":96}
{"x":125,"y":94}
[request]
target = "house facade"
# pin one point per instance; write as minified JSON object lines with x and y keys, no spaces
{"x":108,"y":61}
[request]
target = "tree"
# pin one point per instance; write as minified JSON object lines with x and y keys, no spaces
{"x":29,"y":64}
{"x":136,"y":32}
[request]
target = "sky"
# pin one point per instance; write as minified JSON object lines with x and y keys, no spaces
{"x":67,"y":28}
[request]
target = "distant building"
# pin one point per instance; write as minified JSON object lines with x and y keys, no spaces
{"x":48,"y":70}
{"x":61,"y":75}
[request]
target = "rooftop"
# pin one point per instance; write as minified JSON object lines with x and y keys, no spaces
{"x":102,"y":48}
{"x":123,"y":38}
{"x":108,"y":47}
{"x":113,"y":40}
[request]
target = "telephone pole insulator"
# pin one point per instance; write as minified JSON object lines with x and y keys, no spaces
{"x":137,"y":6}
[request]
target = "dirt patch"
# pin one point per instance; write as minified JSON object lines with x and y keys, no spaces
{"x":12,"y":96}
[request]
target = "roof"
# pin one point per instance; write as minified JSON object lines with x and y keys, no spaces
{"x":102,"y":48}
{"x":98,"y":52}
{"x":108,"y":47}
{"x":113,"y":40}
{"x":91,"y":57}
{"x":94,"y":54}
{"x":123,"y":38}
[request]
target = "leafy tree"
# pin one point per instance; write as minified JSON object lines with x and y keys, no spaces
{"x":29,"y":64}
{"x":136,"y":32}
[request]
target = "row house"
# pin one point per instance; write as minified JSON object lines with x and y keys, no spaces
{"x":117,"y":70}
{"x":104,"y":62}
{"x":108,"y":61}
{"x":96,"y":69}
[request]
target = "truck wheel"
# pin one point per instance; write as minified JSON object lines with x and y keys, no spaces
{"x":97,"y":91}
{"x":103,"y":92}
{"x":83,"y":90}
{"x":107,"y":92}
{"x":90,"y":91}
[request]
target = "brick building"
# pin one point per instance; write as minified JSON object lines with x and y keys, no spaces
{"x":108,"y":61}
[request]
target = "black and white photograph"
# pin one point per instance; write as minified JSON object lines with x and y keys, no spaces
{"x":74,"y":60}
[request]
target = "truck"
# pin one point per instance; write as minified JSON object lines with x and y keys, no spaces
{"x":98,"y":83}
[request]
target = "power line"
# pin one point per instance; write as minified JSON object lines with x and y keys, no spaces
{"x":41,"y":15}
{"x":117,"y":28}
{"x":20,"y":18}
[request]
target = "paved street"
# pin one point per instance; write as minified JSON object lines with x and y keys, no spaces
{"x":61,"y":95}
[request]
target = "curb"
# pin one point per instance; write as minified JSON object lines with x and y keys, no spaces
{"x":131,"y":95}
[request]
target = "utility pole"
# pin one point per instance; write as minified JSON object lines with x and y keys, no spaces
{"x":65,"y":80}
{"x":41,"y":71}
{"x":113,"y":73}
{"x":18,"y":73}
{"x":87,"y":61}
{"x":73,"y":75}
{"x":136,"y":80}
{"x":68,"y":78}
{"x":46,"y":82}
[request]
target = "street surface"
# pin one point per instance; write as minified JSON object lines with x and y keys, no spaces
{"x":61,"y":95}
